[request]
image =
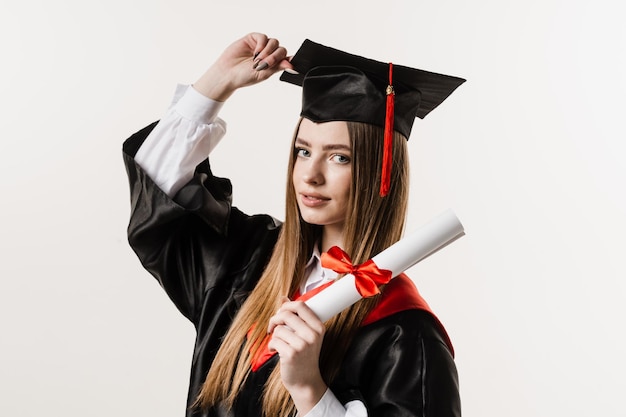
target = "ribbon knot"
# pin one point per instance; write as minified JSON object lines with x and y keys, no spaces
{"x":367,"y":275}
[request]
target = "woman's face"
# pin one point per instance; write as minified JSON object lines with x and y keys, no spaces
{"x":322,"y":173}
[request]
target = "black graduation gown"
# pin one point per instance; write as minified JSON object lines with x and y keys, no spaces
{"x":208,"y":256}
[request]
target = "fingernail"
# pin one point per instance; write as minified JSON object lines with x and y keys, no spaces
{"x":256,"y":54}
{"x":291,"y":71}
{"x":261,"y":66}
{"x":255,"y":63}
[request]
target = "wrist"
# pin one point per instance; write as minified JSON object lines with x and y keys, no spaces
{"x":305,"y":397}
{"x":215,"y":84}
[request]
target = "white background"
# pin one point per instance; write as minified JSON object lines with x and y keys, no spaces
{"x":528,"y":153}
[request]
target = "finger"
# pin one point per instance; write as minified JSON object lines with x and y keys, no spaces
{"x":286,"y":65}
{"x":257,"y":42}
{"x":269,"y":46}
{"x":281,"y":347}
{"x":296,"y":331}
{"x":273,"y":57}
{"x":307,"y":315}
{"x":261,"y":55}
{"x":288,"y":316}
{"x":276,"y":320}
{"x":292,"y":321}
{"x":294,"y":340}
{"x":284,"y":318}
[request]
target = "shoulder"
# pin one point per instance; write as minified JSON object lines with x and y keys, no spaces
{"x":407,"y":327}
{"x":401,"y":365}
{"x":407,"y":341}
{"x":401,"y":296}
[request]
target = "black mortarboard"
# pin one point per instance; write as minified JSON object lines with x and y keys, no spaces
{"x":337,"y":85}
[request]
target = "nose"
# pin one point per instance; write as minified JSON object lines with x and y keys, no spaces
{"x":313,"y":172}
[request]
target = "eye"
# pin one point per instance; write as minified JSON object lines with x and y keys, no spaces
{"x":341,"y":159}
{"x":303,"y":152}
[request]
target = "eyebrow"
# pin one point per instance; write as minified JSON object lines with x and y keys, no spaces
{"x":329,"y":147}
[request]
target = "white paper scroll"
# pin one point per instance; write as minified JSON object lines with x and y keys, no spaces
{"x":428,"y":239}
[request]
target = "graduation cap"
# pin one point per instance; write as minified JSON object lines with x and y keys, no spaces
{"x":337,"y":85}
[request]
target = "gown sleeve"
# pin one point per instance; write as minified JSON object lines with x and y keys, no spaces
{"x":400,"y":366}
{"x":195,"y":243}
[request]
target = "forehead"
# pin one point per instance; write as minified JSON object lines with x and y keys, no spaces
{"x":326,"y":133}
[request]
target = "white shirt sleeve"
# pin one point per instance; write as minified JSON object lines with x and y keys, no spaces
{"x":329,"y":406}
{"x":182,"y":139}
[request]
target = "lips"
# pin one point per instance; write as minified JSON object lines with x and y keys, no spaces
{"x":313,"y":200}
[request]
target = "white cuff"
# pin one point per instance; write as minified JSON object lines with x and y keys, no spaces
{"x":182,"y":139}
{"x":194,"y":106}
{"x":329,"y":406}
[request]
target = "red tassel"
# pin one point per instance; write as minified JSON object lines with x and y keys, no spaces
{"x":385,"y":179}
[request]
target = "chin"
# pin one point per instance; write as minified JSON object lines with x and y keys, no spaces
{"x":312,"y":221}
{"x":320,"y":217}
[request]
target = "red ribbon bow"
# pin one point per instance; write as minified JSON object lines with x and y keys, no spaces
{"x":367,"y":275}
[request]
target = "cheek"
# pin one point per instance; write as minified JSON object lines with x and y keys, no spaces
{"x":344,"y":183}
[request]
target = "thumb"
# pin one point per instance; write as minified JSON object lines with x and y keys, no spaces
{"x":286,"y":65}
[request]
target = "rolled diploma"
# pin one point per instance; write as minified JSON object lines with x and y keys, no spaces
{"x":428,"y":239}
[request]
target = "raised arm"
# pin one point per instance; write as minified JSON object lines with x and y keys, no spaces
{"x":190,"y":129}
{"x":182,"y":224}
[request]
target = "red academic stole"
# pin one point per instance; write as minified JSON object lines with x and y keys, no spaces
{"x":400,"y":294}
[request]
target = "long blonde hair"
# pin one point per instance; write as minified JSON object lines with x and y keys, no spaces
{"x":372,"y":224}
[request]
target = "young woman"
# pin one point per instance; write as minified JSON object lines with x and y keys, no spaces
{"x":260,"y":351}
